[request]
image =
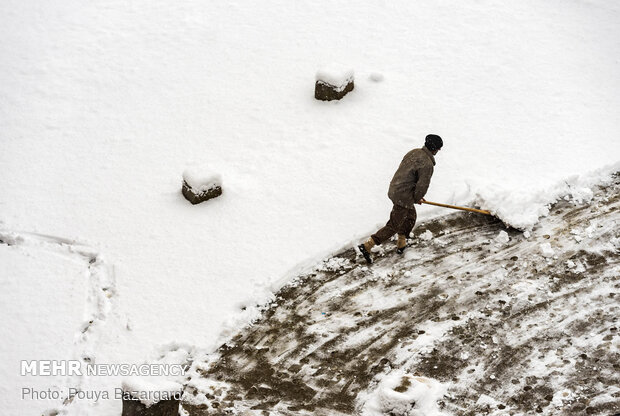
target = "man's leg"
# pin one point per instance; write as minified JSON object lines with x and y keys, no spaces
{"x":395,"y":223}
{"x":397,"y":217}
{"x":405,"y":229}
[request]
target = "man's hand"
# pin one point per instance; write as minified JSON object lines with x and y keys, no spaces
{"x":420,"y":201}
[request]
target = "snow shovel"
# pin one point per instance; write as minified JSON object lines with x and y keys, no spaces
{"x":480,"y":211}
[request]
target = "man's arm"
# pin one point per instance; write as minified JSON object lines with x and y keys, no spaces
{"x":424,"y":180}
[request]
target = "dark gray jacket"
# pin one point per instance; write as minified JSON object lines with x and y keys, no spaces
{"x":412,"y":178}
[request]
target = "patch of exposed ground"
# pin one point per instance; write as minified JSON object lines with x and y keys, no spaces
{"x":512,"y":328}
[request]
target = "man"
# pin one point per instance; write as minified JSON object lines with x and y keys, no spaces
{"x":408,"y":187}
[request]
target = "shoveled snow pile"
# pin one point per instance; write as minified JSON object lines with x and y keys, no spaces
{"x":521,"y":208}
{"x":335,"y":75}
{"x":402,"y":394}
{"x":202,"y":179}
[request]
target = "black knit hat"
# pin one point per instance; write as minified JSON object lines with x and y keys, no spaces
{"x":433,"y":142}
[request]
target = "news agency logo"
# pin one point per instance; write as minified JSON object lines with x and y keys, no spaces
{"x":77,"y":368}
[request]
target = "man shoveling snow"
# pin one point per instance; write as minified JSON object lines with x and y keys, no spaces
{"x":408,"y":187}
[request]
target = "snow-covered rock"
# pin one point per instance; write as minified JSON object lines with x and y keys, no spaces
{"x":202,"y":179}
{"x":201,"y":184}
{"x":335,"y":75}
{"x":333,"y":83}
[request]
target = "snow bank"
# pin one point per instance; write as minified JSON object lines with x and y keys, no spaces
{"x":522,"y":208}
{"x":400,"y":393}
{"x":151,"y":391}
{"x":335,"y":75}
{"x":202,"y":179}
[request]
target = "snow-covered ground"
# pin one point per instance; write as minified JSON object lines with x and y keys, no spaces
{"x":474,"y":319}
{"x":103,"y":106}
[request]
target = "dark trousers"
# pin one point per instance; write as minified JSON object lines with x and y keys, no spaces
{"x":401,"y":221}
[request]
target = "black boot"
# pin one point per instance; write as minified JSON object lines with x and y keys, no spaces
{"x":365,"y":253}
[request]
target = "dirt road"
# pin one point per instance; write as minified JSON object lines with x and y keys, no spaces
{"x":512,"y":323}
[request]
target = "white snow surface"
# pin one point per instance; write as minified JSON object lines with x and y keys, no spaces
{"x":336,"y":75}
{"x":202,"y":178}
{"x":403,"y":394}
{"x":376,"y":77}
{"x":98,"y":99}
{"x":42,"y":301}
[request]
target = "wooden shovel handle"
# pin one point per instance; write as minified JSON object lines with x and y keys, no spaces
{"x":480,"y":211}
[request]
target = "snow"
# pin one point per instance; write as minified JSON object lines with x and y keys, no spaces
{"x":202,"y":179}
{"x":102,"y":98}
{"x":502,"y":237}
{"x":376,"y":77}
{"x":464,"y":323}
{"x":335,"y":75}
{"x":487,"y":400}
{"x":403,"y":394}
{"x":547,"y":250}
{"x":426,"y":235}
{"x":150,"y":391}
{"x":214,"y":387}
{"x":42,"y":300}
{"x":522,"y":209}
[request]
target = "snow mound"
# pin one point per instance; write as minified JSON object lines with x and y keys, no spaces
{"x":335,"y":75}
{"x":151,"y":391}
{"x":202,"y":179}
{"x":400,"y":393}
{"x":522,"y":208}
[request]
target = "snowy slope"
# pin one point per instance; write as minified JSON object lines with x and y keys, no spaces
{"x":103,"y":105}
